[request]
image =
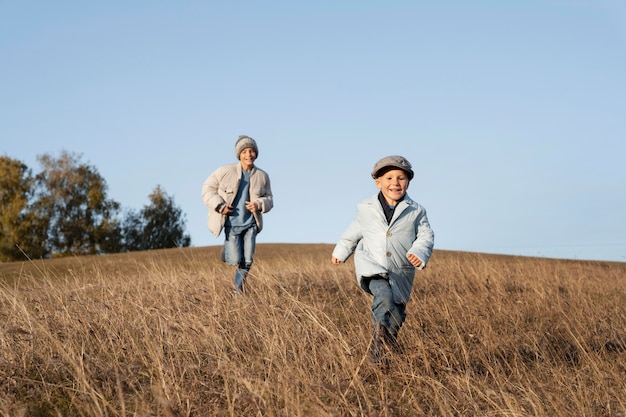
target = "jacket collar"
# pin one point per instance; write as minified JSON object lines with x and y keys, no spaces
{"x":379,"y":201}
{"x":240,"y":168}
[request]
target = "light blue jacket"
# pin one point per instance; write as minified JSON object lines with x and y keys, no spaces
{"x":382,"y":249}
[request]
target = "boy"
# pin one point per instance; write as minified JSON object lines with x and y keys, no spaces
{"x":236,"y":195}
{"x":390,"y":237}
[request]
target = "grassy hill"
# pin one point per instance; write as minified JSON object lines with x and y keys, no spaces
{"x":160,"y":333}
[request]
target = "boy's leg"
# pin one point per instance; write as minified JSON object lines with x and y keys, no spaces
{"x":240,"y":278}
{"x":377,"y":352}
{"x":247,"y":246}
{"x":387,"y":316}
{"x":390,"y":334}
{"x":233,"y":254}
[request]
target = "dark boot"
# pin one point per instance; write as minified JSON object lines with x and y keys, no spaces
{"x":376,"y":345}
{"x":391,"y":341}
{"x":378,"y":352}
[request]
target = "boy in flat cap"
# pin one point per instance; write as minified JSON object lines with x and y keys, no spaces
{"x":237,"y":195}
{"x":390,"y":238}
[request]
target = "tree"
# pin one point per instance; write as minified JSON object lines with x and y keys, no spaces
{"x":132,"y":232}
{"x":159,"y":225}
{"x":21,"y":232}
{"x":71,"y":197}
{"x":64,"y":210}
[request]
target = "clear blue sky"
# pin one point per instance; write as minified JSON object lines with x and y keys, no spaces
{"x":513,"y":113}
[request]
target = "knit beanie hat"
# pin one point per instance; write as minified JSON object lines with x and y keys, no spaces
{"x":245,"y":142}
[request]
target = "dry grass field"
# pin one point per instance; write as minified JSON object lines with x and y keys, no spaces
{"x":160,"y":334}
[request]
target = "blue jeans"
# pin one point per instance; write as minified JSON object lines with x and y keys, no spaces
{"x":384,"y":310}
{"x":239,"y":251}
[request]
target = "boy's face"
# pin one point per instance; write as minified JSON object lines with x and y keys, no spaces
{"x":247,"y":158}
{"x":393,"y":184}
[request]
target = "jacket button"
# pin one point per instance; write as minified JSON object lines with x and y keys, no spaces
{"x":389,"y":234}
{"x":388,"y":254}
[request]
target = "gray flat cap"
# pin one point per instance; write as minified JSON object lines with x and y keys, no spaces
{"x":392,"y":162}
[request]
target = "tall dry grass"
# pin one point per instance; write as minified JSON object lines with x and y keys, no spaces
{"x":161,"y":334}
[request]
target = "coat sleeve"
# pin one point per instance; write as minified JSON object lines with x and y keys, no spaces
{"x":424,"y":240}
{"x":266,"y":199}
{"x":210,"y":194}
{"x":348,"y":241}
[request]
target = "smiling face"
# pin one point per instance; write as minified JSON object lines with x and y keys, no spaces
{"x":393,"y":184}
{"x":247,"y":158}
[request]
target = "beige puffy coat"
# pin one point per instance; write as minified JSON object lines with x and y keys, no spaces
{"x":221,"y":188}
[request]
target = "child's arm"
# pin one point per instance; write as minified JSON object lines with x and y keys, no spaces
{"x":265,"y":201}
{"x":422,"y":247}
{"x":210,"y":194}
{"x":347,"y":243}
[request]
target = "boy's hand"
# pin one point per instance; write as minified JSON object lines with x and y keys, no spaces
{"x":252,"y":207}
{"x":415,"y":261}
{"x":335,"y":261}
{"x":227,"y":210}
